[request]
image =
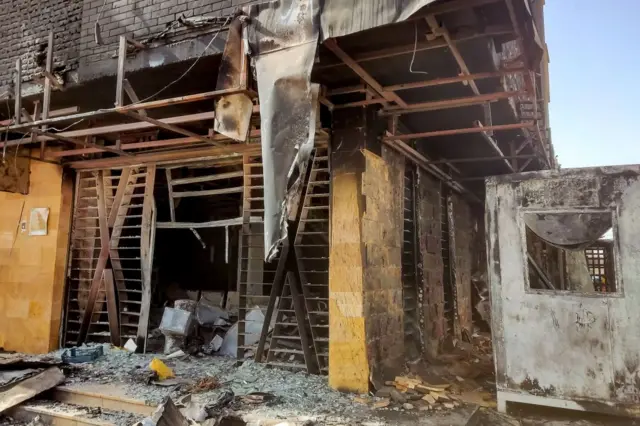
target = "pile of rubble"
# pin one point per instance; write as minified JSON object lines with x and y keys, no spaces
{"x":409,"y":393}
{"x":201,"y":328}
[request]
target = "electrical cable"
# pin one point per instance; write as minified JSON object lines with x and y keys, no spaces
{"x":188,"y":69}
{"x":413,"y":56}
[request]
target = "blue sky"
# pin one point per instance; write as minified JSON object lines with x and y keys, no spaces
{"x":594,"y":48}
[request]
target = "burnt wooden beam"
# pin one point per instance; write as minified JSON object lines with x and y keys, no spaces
{"x":122,"y":56}
{"x":172,"y":207}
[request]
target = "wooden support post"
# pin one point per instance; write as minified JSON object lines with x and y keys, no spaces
{"x":146,"y":250}
{"x":113,"y":311}
{"x":122,"y":56}
{"x":101,"y":262}
{"x":302,"y":317}
{"x":172,"y":208}
{"x":17,"y":89}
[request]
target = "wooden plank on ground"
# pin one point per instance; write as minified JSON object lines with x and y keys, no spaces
{"x":27,"y":389}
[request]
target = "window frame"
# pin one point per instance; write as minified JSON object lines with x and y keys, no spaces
{"x":522,"y":226}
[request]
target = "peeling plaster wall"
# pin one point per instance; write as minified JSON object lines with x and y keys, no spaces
{"x":565,"y":345}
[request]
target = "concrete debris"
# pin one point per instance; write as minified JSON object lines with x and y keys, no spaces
{"x":29,"y":387}
{"x":216,"y":343}
{"x":176,"y":324}
{"x":176,"y":354}
{"x":253,"y":328}
{"x":131,"y":345}
{"x":208,"y":315}
{"x":167,"y":414}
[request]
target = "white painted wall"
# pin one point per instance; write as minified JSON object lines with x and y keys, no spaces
{"x":561,"y":344}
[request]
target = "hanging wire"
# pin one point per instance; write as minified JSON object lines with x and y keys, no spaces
{"x":413,"y":56}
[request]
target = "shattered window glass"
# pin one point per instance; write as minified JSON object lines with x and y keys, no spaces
{"x":570,"y":251}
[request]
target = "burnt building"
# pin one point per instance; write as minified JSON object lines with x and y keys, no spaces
{"x":323,"y":163}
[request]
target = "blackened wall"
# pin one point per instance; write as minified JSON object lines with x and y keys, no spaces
{"x":25,"y":25}
{"x":139,"y":19}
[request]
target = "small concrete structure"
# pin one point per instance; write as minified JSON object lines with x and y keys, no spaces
{"x":565,"y":348}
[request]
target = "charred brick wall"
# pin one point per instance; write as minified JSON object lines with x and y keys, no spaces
{"x":462,"y":231}
{"x":430,"y":242}
{"x":139,"y":19}
{"x":24,"y":31}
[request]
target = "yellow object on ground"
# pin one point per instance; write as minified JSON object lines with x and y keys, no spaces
{"x":161,"y":369}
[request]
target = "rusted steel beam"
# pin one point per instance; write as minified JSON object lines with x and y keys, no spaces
{"x":358,"y":88}
{"x":360,"y":103}
{"x":143,"y":105}
{"x":449,"y":103}
{"x":480,"y":159}
{"x":202,"y":154}
{"x":441,"y":31}
{"x":149,"y":144}
{"x":408,"y":49}
{"x":81,"y":143}
{"x":421,"y":161}
{"x":449,"y":132}
{"x":171,"y":127}
{"x":54,"y":113}
{"x":452,"y":80}
{"x":494,"y":145}
{"x":332,"y":45}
